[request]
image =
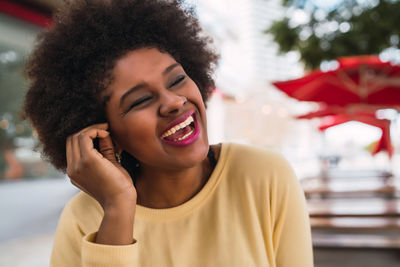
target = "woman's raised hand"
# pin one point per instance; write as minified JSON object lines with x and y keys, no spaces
{"x":101,"y":176}
{"x":98,"y":173}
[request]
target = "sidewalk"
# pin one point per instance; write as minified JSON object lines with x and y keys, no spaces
{"x":30,"y":211}
{"x":29,"y":252}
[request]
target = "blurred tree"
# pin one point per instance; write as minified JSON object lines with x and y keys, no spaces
{"x":349,"y":28}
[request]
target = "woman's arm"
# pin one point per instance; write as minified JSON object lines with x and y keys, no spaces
{"x":75,"y":239}
{"x":117,"y":225}
{"x":100,"y":175}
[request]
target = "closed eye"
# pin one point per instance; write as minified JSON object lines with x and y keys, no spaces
{"x":178,"y":80}
{"x":139,"y":102}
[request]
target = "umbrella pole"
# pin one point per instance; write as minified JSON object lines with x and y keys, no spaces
{"x":323,"y":161}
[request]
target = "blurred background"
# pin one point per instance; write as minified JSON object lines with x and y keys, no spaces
{"x":318,"y":81}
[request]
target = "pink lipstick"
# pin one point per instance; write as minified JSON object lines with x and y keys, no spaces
{"x":184,"y":131}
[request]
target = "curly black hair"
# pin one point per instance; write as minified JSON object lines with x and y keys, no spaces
{"x":72,"y":61}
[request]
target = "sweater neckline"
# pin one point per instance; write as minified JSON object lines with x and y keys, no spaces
{"x":151,"y":214}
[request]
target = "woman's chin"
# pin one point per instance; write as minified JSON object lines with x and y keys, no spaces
{"x":192,"y":155}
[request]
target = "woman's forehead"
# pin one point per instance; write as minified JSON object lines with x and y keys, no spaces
{"x":141,"y":62}
{"x":138,"y":66}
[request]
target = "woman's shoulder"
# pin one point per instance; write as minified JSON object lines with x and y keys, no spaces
{"x":256,"y":163}
{"x":252,"y":156}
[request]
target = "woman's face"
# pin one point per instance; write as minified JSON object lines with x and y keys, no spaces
{"x":155,"y":111}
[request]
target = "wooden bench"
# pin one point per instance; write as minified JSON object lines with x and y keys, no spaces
{"x":355,"y":187}
{"x":348,"y":174}
{"x":387,"y":191}
{"x":384,"y":177}
{"x":356,"y":241}
{"x":355,"y":223}
{"x":368,"y":207}
{"x":344,"y":217}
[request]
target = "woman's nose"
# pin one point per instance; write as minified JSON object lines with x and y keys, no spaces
{"x":171,"y":103}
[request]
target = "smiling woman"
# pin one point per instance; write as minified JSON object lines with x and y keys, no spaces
{"x":117,"y":96}
{"x":146,"y":119}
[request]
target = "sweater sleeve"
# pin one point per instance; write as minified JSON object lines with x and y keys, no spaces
{"x":75,"y":246}
{"x":99,"y":255}
{"x":291,"y":227}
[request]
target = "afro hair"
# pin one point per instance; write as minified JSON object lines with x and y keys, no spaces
{"x":73,"y":61}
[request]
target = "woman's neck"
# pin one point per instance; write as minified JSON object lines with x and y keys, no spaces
{"x":160,"y":189}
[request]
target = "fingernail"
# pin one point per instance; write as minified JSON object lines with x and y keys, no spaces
{"x":104,"y":133}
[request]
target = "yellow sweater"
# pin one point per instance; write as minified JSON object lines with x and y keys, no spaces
{"x":250,"y":213}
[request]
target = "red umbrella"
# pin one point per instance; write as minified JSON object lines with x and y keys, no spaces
{"x":352,"y":111}
{"x":357,"y":80}
{"x":384,"y":143}
{"x":335,"y":115}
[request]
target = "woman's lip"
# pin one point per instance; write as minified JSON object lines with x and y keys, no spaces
{"x":179,"y":120}
{"x":189,"y":140}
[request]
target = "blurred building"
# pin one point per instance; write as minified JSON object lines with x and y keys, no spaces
{"x":251,"y":110}
{"x":19,"y":25}
{"x":249,"y":58}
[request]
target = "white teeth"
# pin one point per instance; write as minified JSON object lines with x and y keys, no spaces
{"x":175,"y":128}
{"x":185,"y":136}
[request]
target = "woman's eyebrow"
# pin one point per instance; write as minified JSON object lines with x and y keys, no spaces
{"x":169,"y":68}
{"x":141,"y":85}
{"x":136,"y":87}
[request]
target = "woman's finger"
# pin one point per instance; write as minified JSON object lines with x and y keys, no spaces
{"x":76,"y":154}
{"x":76,"y":143}
{"x":107,"y":149}
{"x":99,"y":126}
{"x":86,"y":141}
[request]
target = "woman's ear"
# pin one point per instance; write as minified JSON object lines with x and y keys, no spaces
{"x":117,"y":148}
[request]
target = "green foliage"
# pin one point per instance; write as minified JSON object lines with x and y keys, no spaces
{"x":349,"y":29}
{"x":12,"y":87}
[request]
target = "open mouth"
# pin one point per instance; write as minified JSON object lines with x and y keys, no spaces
{"x":182,"y":133}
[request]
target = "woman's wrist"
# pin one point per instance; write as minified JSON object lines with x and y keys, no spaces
{"x":121,"y":201}
{"x":116,"y":208}
{"x":117,"y":225}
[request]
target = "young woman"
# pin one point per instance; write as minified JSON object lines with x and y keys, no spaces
{"x":117,"y":96}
